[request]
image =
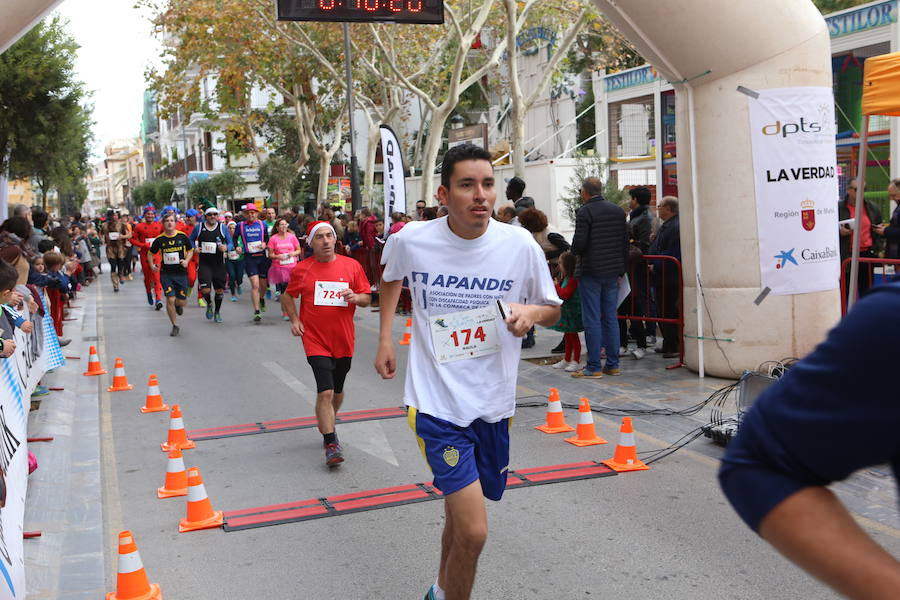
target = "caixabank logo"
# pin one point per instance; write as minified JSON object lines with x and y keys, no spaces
{"x":806,"y":256}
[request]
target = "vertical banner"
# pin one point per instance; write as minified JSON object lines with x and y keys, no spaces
{"x":19,"y":374}
{"x":795,"y":170}
{"x":394,"y":175}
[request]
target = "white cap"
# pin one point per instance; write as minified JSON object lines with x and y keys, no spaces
{"x":212,"y":210}
{"x":228,"y":213}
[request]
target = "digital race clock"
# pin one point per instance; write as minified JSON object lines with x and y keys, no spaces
{"x":393,"y":11}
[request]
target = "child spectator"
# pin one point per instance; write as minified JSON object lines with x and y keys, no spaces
{"x":8,"y":278}
{"x":570,"y":314}
{"x":58,"y":294}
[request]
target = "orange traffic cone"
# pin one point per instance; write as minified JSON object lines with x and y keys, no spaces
{"x":154,"y":401}
{"x":200,"y":514}
{"x":585,"y":434}
{"x":132,"y":582}
{"x":625,"y":458}
{"x":556,"y":422}
{"x":94,"y":366}
{"x":177,"y":435}
{"x":176,"y":477}
{"x":407,"y":335}
{"x":120,"y":381}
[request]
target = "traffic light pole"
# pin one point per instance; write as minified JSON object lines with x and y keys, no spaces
{"x":354,"y":171}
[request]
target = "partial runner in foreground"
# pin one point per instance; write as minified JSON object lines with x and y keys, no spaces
{"x":468,"y":275}
{"x":330,"y":287}
{"x":176,"y":256}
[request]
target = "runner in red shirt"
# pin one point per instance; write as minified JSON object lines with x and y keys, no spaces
{"x":187,"y":227}
{"x":330,"y":287}
{"x":142,"y":236}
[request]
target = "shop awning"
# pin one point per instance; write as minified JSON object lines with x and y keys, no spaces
{"x":18,"y":16}
{"x":881,"y":85}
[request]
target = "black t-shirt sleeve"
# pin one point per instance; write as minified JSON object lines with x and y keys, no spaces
{"x":833,"y":413}
{"x":155,"y":246}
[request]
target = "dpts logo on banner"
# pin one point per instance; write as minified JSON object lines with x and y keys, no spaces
{"x":794,"y":163}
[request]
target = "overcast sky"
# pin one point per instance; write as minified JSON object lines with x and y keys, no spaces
{"x":116,"y":48}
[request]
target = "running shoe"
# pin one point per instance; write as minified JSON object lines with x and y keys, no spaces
{"x":209,"y":312}
{"x":262,"y":307}
{"x":40,"y":391}
{"x":179,"y":309}
{"x":268,"y":294}
{"x":257,"y":317}
{"x":587,"y":374}
{"x":561,"y":364}
{"x":285,"y":318}
{"x":201,"y":302}
{"x":218,"y":318}
{"x":574,"y":366}
{"x":334,"y":455}
{"x":429,"y":595}
{"x":240,"y":291}
{"x":64,"y":341}
{"x":639,"y":353}
{"x":234,"y":298}
{"x":150,"y":298}
{"x":175,"y":330}
{"x":116,"y":289}
{"x":612,"y":371}
{"x":158,"y":304}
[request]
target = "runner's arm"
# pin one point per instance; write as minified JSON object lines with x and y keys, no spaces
{"x":386,"y":359}
{"x":289,"y":306}
{"x":229,"y":242}
{"x":814,"y":530}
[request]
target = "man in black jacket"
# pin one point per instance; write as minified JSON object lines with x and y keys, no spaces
{"x":601,"y":245}
{"x":665,"y":275}
{"x":639,"y":229}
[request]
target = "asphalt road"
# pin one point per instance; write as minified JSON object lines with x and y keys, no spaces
{"x":664,"y":533}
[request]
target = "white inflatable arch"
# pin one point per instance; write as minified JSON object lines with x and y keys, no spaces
{"x":708,"y":48}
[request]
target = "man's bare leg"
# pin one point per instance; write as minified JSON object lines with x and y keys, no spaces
{"x":465,"y":534}
{"x":325,"y":410}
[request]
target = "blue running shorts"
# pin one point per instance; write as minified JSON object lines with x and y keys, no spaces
{"x":256,"y":264}
{"x":460,"y":455}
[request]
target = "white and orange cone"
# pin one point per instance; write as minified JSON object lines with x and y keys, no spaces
{"x":556,"y":422}
{"x":200,"y":514}
{"x":131,"y":580}
{"x":407,"y":335}
{"x":585,"y":434}
{"x":120,"y":381}
{"x":154,"y":402}
{"x":94,"y":366}
{"x":625,"y":458}
{"x":177,"y":435}
{"x":176,"y":477}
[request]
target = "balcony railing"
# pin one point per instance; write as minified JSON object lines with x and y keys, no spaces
{"x":175,"y":170}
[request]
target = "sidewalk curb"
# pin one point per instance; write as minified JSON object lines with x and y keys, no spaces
{"x":65,"y":494}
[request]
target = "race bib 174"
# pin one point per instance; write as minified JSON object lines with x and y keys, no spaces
{"x":465,"y":334}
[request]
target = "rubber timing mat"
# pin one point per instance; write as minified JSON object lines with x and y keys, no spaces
{"x":288,"y":424}
{"x":332,"y":506}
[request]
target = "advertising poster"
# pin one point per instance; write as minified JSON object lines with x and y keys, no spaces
{"x":795,"y":171}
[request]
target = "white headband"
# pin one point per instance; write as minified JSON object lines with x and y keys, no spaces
{"x":318,"y":226}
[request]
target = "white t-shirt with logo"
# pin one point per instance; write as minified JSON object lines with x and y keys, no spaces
{"x":448,"y":274}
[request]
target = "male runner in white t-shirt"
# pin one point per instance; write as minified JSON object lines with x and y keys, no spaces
{"x":468,"y":275}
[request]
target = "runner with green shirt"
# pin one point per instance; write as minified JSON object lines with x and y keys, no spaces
{"x":177,"y":252}
{"x":469,"y":276}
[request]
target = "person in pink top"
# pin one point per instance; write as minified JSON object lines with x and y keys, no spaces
{"x":283,"y":250}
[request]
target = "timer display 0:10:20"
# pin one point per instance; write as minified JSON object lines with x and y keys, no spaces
{"x":413,"y":6}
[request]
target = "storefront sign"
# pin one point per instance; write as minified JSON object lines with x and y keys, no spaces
{"x":627,"y":79}
{"x":795,"y":171}
{"x":862,"y":19}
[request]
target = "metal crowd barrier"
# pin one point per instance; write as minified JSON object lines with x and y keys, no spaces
{"x":646,"y":295}
{"x":872,"y":272}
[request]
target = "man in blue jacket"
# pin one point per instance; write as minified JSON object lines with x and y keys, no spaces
{"x":833,"y":413}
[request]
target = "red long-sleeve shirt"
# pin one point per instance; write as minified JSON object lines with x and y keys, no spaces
{"x":567,"y":292}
